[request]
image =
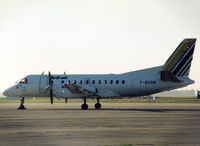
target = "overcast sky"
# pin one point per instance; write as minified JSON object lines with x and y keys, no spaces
{"x":83,"y":36}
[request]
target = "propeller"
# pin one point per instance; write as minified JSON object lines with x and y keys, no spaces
{"x":51,"y":87}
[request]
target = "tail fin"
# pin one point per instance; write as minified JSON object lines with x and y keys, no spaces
{"x":179,"y":62}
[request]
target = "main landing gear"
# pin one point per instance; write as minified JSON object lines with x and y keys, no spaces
{"x":21,"y":107}
{"x":98,"y":105}
{"x":84,"y":106}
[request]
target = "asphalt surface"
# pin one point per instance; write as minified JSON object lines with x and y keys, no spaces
{"x":116,"y":124}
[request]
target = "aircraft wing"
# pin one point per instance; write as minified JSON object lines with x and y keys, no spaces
{"x":74,"y":88}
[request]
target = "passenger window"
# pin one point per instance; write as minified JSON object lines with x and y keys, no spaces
{"x":68,"y":82}
{"x":74,"y":82}
{"x":123,"y":81}
{"x":99,"y":81}
{"x":81,"y":81}
{"x":105,"y":81}
{"x":24,"y":81}
{"x":111,"y":81}
{"x":62,"y":81}
{"x":117,"y":81}
{"x":93,"y":81}
{"x":87,"y":81}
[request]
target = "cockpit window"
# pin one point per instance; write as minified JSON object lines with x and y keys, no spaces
{"x":24,"y":81}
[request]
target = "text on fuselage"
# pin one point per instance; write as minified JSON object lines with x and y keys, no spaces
{"x":148,"y":82}
{"x":59,"y":77}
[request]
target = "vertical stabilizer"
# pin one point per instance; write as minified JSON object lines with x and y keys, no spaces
{"x":179,"y":62}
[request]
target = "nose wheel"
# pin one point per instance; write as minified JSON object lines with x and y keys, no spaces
{"x":21,"y":107}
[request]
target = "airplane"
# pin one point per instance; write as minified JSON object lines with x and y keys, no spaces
{"x":172,"y":75}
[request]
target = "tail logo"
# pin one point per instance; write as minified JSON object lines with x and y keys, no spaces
{"x":179,"y":62}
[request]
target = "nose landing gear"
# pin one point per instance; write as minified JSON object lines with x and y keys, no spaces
{"x":22,"y":107}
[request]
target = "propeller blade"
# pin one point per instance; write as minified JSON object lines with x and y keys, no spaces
{"x":51,"y":88}
{"x":50,"y":81}
{"x":51,"y":96}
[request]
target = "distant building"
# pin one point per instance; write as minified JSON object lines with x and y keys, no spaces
{"x":177,"y":93}
{"x":153,"y":97}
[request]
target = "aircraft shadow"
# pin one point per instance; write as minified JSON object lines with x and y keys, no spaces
{"x":143,"y":110}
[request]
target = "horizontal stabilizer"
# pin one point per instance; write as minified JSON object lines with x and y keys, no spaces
{"x":168,"y":76}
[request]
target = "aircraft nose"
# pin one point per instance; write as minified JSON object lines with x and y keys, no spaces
{"x":5,"y":92}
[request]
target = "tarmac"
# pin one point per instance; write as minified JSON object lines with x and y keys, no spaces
{"x":115,"y":124}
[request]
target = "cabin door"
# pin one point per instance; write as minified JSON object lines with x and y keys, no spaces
{"x":43,"y":84}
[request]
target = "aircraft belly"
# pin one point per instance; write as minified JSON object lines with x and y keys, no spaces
{"x":108,"y":93}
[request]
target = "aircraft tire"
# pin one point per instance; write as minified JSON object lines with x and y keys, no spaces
{"x":98,"y":106}
{"x":84,"y":106}
{"x":21,"y":107}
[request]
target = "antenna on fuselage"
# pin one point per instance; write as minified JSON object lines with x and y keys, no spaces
{"x":64,"y":72}
{"x":43,"y":73}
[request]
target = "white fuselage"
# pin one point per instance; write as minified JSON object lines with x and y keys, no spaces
{"x":139,"y":83}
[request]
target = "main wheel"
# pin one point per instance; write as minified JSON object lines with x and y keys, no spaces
{"x":21,"y":107}
{"x":97,"y":105}
{"x":84,"y":106}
